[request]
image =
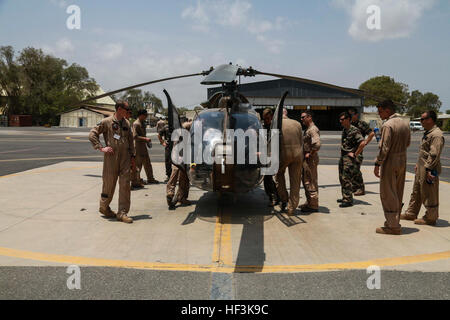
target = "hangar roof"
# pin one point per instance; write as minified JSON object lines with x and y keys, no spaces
{"x":297,"y":89}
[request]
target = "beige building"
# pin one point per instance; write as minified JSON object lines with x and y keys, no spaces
{"x":87,"y":116}
{"x":84,"y":117}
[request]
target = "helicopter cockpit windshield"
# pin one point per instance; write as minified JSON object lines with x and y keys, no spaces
{"x":209,"y":125}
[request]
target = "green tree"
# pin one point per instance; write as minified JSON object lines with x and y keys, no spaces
{"x":141,"y":100}
{"x":10,"y":80}
{"x":42,"y":85}
{"x":447,"y":112}
{"x":418,"y":103}
{"x":154,"y":101}
{"x":385,"y":87}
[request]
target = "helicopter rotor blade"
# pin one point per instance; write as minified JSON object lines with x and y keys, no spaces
{"x":358,"y":92}
{"x":137,"y":86}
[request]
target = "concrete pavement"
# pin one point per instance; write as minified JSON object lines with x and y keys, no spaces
{"x":49,"y":217}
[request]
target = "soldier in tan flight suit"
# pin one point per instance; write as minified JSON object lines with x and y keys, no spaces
{"x":291,"y":157}
{"x":142,"y":157}
{"x":118,"y":160}
{"x":395,"y":139}
{"x":181,"y":177}
{"x":311,"y":147}
{"x":428,"y":167}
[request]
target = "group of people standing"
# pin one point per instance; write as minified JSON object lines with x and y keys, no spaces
{"x":299,"y":154}
{"x":126,"y":153}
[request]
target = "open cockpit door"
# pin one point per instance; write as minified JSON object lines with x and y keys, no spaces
{"x":273,"y":146}
{"x":173,"y":116}
{"x":176,"y":134}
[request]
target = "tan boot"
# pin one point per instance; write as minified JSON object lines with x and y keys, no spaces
{"x":107,"y":212}
{"x":359,"y":193}
{"x":384,"y":230}
{"x":185,"y":202}
{"x":422,"y":222}
{"x":124,"y":218}
{"x":305,"y":205}
{"x":405,"y":216}
{"x":291,"y":212}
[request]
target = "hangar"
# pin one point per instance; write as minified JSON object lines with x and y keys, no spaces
{"x":326,"y":103}
{"x":88,"y":115}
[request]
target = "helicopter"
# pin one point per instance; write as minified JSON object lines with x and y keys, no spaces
{"x":227,"y":111}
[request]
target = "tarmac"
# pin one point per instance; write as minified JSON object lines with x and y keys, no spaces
{"x":49,"y":217}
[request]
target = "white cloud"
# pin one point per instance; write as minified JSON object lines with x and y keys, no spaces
{"x":398,"y":17}
{"x":233,"y":14}
{"x":60,"y":3}
{"x":198,"y":15}
{"x":62,"y":47}
{"x":111,"y":51}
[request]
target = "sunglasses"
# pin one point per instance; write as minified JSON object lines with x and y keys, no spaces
{"x":423,"y":119}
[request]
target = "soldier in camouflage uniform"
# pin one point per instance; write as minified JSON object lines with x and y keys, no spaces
{"x":358,"y":182}
{"x":352,"y":144}
{"x":164,"y":137}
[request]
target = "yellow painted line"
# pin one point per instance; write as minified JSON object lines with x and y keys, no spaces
{"x":216,"y":244}
{"x":226,"y":254}
{"x":99,"y":262}
{"x":384,"y":262}
{"x":50,"y":170}
{"x":52,"y":158}
{"x":222,"y":251}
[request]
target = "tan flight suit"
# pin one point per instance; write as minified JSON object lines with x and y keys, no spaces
{"x":118,"y":136}
{"x":395,"y":139}
{"x":181,"y":177}
{"x":311,"y":142}
{"x":423,"y":192}
{"x":160,"y":125}
{"x":291,"y":157}
{"x":142,"y":157}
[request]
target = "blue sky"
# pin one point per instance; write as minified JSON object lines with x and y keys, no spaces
{"x":123,"y":43}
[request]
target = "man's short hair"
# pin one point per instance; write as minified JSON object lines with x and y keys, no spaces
{"x":266,"y":112}
{"x":142,"y":112}
{"x":432,"y":114}
{"x":345,"y":114}
{"x":353,"y":110}
{"x":121,"y":104}
{"x":387,"y":104}
{"x":308,"y":113}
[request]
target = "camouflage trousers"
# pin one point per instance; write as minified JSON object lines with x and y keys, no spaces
{"x":358,"y":181}
{"x":347,"y":170}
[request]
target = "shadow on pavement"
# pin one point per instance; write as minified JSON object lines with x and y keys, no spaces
{"x":406,"y":230}
{"x":141,"y":217}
